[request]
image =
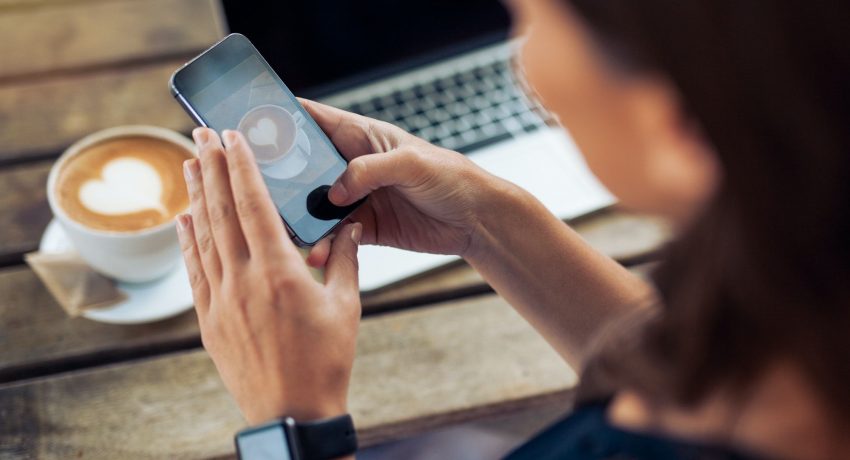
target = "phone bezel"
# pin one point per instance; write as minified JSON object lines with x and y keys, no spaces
{"x":208,"y":67}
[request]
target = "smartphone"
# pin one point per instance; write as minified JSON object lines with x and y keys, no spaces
{"x":231,"y":86}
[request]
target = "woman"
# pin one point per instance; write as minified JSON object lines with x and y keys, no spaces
{"x":729,"y":117}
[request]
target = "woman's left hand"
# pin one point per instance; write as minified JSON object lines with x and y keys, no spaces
{"x":283,"y":343}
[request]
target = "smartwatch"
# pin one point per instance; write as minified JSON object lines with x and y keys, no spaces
{"x":286,"y":439}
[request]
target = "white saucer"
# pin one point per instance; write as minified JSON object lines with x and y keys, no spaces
{"x":146,"y":302}
{"x":283,"y":169}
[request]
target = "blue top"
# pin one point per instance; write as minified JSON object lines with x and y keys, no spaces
{"x":586,"y":434}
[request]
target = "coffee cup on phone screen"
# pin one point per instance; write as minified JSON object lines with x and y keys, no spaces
{"x":280,"y":145}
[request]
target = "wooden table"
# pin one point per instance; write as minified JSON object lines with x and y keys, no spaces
{"x":433,"y":351}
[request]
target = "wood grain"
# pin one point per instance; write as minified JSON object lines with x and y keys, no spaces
{"x":414,"y":371}
{"x":70,"y":36}
{"x":45,"y":116}
{"x":24,"y":213}
{"x":38,"y":338}
{"x":36,"y":332}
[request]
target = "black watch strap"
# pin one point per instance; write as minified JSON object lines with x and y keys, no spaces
{"x":327,"y":438}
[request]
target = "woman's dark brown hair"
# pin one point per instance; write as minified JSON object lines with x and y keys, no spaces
{"x":764,"y":272}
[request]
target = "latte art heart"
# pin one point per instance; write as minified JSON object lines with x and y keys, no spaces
{"x":126,"y":185}
{"x":265,"y":133}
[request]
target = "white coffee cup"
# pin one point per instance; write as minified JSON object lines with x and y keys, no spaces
{"x":135,"y":256}
{"x":273,"y":133}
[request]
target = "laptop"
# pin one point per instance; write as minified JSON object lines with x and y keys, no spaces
{"x":439,"y":69}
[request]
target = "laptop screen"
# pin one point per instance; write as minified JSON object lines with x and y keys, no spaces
{"x":318,"y":46}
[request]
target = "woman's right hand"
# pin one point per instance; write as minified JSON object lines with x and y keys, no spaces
{"x":422,"y":197}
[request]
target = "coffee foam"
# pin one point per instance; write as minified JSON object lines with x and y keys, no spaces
{"x":124,"y":184}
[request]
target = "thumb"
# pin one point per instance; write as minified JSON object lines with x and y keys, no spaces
{"x":368,"y":173}
{"x":341,"y":269}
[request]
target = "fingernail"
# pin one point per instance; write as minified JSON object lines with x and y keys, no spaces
{"x":200,"y":135}
{"x":181,"y":224}
{"x":190,"y":169}
{"x":229,"y":137}
{"x":187,"y":170}
{"x":356,"y":233}
{"x":338,"y":193}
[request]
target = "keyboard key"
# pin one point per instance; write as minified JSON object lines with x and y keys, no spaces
{"x":499,"y":96}
{"x":480,"y":103}
{"x":482,"y":117}
{"x":392,"y":113}
{"x":441,"y":84}
{"x":530,"y":118}
{"x":466,"y":91}
{"x":418,"y":121}
{"x":442,"y":131}
{"x":427,"y":133}
{"x":488,"y":84}
{"x":451,"y":143}
{"x":444,"y":98}
{"x":468,"y":137}
{"x":406,"y":95}
{"x":492,"y":130}
{"x":438,"y":115}
{"x":403,"y":124}
{"x":406,"y":109}
{"x":387,"y":100}
{"x":419,"y":91}
{"x":503,"y":111}
{"x":425,"y":104}
{"x":470,"y":119}
{"x":462,"y":124}
{"x":512,"y":125}
{"x":516,"y":107}
{"x":458,"y":109}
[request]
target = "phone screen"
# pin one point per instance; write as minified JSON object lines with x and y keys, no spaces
{"x":296,"y":159}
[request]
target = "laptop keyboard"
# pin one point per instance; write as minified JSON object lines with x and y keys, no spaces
{"x":463,"y":111}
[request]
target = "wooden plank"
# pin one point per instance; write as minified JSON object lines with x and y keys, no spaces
{"x":37,"y":337}
{"x":8,"y":5}
{"x":24,"y":213}
{"x":45,"y":116}
{"x":414,"y":371}
{"x":69,"y":35}
{"x":36,"y":332}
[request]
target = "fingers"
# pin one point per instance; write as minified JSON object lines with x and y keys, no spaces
{"x":354,"y":135}
{"x":319,"y":253}
{"x":192,"y":258}
{"x":371,"y":172}
{"x":221,"y":211}
{"x":261,"y":224}
{"x":341,"y":269}
{"x":201,"y":223}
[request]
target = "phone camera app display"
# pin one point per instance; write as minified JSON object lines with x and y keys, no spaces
{"x":276,"y":135}
{"x":294,"y":156}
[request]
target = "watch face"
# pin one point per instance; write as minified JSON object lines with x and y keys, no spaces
{"x":268,"y":443}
